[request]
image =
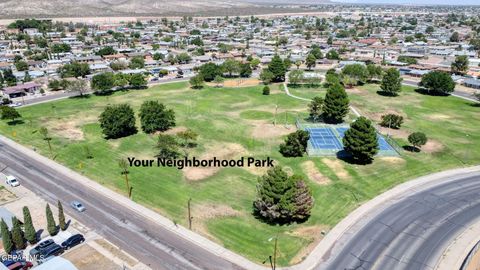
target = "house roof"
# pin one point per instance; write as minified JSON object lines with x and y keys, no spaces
{"x":20,"y":88}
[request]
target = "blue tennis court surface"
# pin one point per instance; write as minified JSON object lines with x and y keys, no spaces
{"x":330,"y":139}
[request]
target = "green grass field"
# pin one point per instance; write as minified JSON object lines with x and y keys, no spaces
{"x":238,"y":122}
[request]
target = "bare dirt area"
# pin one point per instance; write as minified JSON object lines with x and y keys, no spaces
{"x":6,"y":196}
{"x":313,"y":234}
{"x":174,"y":131}
{"x":204,"y":212}
{"x":432,"y":146}
{"x":438,"y":116}
{"x":337,"y":167}
{"x":397,"y":133}
{"x":87,"y":258}
{"x":266,"y":130}
{"x":314,"y":174}
{"x":393,"y":160}
{"x":356,"y":91}
{"x":220,"y":151}
{"x":69,"y":128}
{"x":377,"y":117}
{"x":241,"y":82}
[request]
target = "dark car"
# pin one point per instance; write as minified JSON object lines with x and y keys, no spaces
{"x":52,"y":250}
{"x":73,"y":241}
{"x":44,"y":244}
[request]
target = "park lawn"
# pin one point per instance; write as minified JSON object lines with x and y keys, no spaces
{"x":237,"y":122}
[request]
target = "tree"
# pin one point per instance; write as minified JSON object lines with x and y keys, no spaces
{"x":266,"y":90}
{"x":356,"y":74}
{"x":30,"y":232}
{"x":282,"y":199}
{"x":188,"y":138}
{"x":360,"y":141}
{"x":438,"y":82}
{"x":167,"y":147}
{"x":277,"y":68}
{"x":255,"y":63}
{"x":407,"y":59}
{"x":61,"y":217}
{"x":108,"y":50}
{"x":392,"y":121}
{"x":9,"y":113}
{"x":332,"y":55}
{"x":79,"y":86}
{"x":209,"y":71}
{"x":8,"y":245}
{"x":266,"y":76}
{"x":315,"y":108}
{"x":295,"y":77}
{"x":123,"y":164}
{"x":295,"y":144}
{"x":245,"y":70}
{"x":137,"y":62}
{"x":46,"y":137}
{"x":196,"y":82}
{"x":154,"y":116}
{"x":417,"y":139}
{"x":21,"y":65}
{"x":218,"y":81}
{"x":103,"y":82}
{"x":316,"y":52}
{"x":336,"y":104}
{"x":74,"y":69}
{"x":455,"y":37}
{"x":391,"y":82}
{"x":460,"y":65}
{"x":17,"y":234}
{"x":117,"y":121}
{"x":231,"y":66}
{"x":51,"y":226}
{"x":184,"y":58}
{"x":137,"y":80}
{"x":311,"y":61}
{"x":374,"y":72}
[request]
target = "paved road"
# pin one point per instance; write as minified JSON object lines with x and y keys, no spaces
{"x":460,"y":94}
{"x":145,"y":240}
{"x":412,"y":232}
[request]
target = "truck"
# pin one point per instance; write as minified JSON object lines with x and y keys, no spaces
{"x":9,"y":180}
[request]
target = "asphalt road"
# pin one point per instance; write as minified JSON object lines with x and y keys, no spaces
{"x":412,"y":232}
{"x":143,"y":239}
{"x":456,"y":93}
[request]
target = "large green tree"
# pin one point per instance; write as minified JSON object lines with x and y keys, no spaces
{"x":103,"y":82}
{"x":460,"y":65}
{"x":154,"y":116}
{"x":315,"y":108}
{"x":30,"y":232}
{"x":8,"y":245}
{"x":61,"y":217}
{"x":295,"y":77}
{"x":336,"y":104}
{"x":9,"y":113}
{"x":74,"y":69}
{"x":438,"y":82}
{"x":117,"y":121}
{"x":17,"y":234}
{"x":51,"y":225}
{"x":417,"y":139}
{"x":209,"y":71}
{"x":356,"y":74}
{"x":391,"y":82}
{"x":281,"y":198}
{"x":360,"y":141}
{"x":277,"y":68}
{"x":295,"y":144}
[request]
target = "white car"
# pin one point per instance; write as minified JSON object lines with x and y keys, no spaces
{"x":77,"y":206}
{"x":12,"y":181}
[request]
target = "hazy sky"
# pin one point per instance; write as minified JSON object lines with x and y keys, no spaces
{"x":417,"y":2}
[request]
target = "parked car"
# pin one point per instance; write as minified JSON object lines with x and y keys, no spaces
{"x":20,"y":266}
{"x":78,"y":206}
{"x":7,"y":263}
{"x":73,"y":241}
{"x":34,"y":253}
{"x":45,"y":244}
{"x":12,"y":181}
{"x":52,"y":250}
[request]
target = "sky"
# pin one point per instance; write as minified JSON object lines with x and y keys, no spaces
{"x":415,"y":2}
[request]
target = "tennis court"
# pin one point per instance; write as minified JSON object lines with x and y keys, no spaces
{"x":327,"y":140}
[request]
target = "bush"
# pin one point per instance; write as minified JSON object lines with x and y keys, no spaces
{"x":154,"y":116}
{"x":417,"y":139}
{"x":118,"y":121}
{"x":295,"y":144}
{"x":392,"y":121}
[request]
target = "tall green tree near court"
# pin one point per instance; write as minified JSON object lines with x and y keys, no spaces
{"x":30,"y":232}
{"x":417,"y":139}
{"x":315,"y":108}
{"x":123,"y":164}
{"x":17,"y":234}
{"x":460,"y":65}
{"x":46,"y":137}
{"x":277,"y":68}
{"x":61,"y":217}
{"x":51,"y":225}
{"x":360,"y":141}
{"x":438,"y":82}
{"x":117,"y":121}
{"x":281,"y":198}
{"x":391,"y":82}
{"x":295,"y":144}
{"x":336,"y":104}
{"x":154,"y":116}
{"x":8,"y":245}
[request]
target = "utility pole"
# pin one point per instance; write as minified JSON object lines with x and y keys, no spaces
{"x":275,"y":117}
{"x":189,"y":214}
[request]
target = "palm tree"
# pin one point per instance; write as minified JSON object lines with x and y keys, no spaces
{"x":44,"y":132}
{"x":123,"y":164}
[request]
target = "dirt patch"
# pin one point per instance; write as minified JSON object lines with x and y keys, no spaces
{"x":87,"y":258}
{"x":69,"y":128}
{"x":438,"y":116}
{"x":311,"y":233}
{"x":337,"y":167}
{"x":355,"y":91}
{"x":265,"y":130}
{"x":220,"y":151}
{"x":377,"y":116}
{"x":241,"y":82}
{"x":6,"y":196}
{"x":314,"y":174}
{"x":432,"y":146}
{"x":393,"y":160}
{"x":397,"y":133}
{"x":210,"y":211}
{"x":174,"y":131}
